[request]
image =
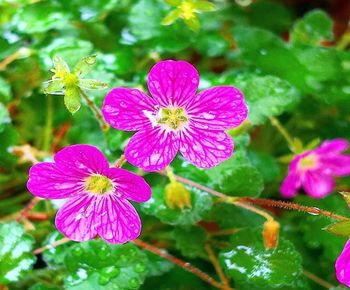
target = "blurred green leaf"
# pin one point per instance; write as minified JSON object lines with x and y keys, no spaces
{"x":248,"y":262}
{"x":314,"y":27}
{"x":97,"y":265}
{"x":84,"y":66}
{"x":266,"y":164}
{"x":16,"y":258}
{"x":4,"y":117}
{"x":341,"y":228}
{"x":191,"y":241}
{"x":5,"y":90}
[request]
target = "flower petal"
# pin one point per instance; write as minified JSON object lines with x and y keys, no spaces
{"x":76,"y":218}
{"x":173,"y":82}
{"x":342,"y":265}
{"x":152,"y":149}
{"x":338,"y":165}
{"x":116,"y":220}
{"x":218,"y":108}
{"x":205,"y":148}
{"x":124,"y":109}
{"x":332,"y":146}
{"x":48,"y":181}
{"x":317,"y":184}
{"x":130,"y":185}
{"x":81,"y":160}
{"x":290,"y":185}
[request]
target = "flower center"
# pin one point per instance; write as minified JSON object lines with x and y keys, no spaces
{"x":173,"y":117}
{"x":308,"y":162}
{"x":187,"y":10}
{"x":70,"y":80}
{"x":98,"y":184}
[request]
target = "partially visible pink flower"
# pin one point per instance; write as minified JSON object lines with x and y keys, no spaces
{"x":342,"y":265}
{"x":314,"y":170}
{"x":97,"y":194}
{"x":175,"y":118}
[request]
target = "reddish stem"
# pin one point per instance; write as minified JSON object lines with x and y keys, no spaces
{"x":23,"y":214}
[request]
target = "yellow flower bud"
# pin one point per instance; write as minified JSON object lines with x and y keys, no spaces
{"x":270,"y":234}
{"x":177,"y":196}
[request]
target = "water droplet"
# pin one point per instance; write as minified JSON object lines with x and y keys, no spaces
{"x":194,"y":80}
{"x":132,"y":252}
{"x":123,"y":258}
{"x":103,"y":280}
{"x":315,"y":213}
{"x":77,"y":251}
{"x":207,"y":116}
{"x":123,"y":105}
{"x":134,"y":283}
{"x":139,"y":268}
{"x":103,"y":252}
{"x":110,"y":272}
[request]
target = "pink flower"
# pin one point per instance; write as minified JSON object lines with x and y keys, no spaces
{"x":314,"y":169}
{"x":175,"y":118}
{"x":97,"y":195}
{"x":342,"y":265}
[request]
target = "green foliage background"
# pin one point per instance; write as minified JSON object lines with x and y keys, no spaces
{"x":288,"y":63}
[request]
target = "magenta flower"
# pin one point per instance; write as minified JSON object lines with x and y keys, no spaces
{"x":314,"y":169}
{"x":175,"y":118}
{"x":97,"y":195}
{"x":342,"y":265}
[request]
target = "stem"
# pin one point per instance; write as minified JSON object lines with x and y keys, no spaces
{"x":217,"y":267}
{"x":28,"y":208}
{"x":318,"y":280}
{"x":344,"y":41}
{"x":292,"y":206}
{"x":170,"y":174}
{"x":284,"y":133}
{"x":104,"y":126}
{"x":50,"y":246}
{"x":262,"y":213}
{"x":119,"y":163}
{"x":224,"y":232}
{"x":48,"y":128}
{"x":180,"y":263}
{"x":59,"y":136}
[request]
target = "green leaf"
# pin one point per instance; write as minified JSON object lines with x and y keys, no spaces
{"x":60,"y":65}
{"x":54,"y":87}
{"x":173,"y":2}
{"x":266,"y":164}
{"x":314,"y":27}
{"x":157,"y":265}
{"x":346,"y":196}
{"x":248,"y":262}
{"x":156,"y":206}
{"x":341,"y":228}
{"x":193,"y":23}
{"x":204,"y":6}
{"x":212,"y":44}
{"x":72,"y":99}
{"x":236,"y":176}
{"x":5,"y":90}
{"x":9,"y":137}
{"x":191,"y":241}
{"x":97,"y":265}
{"x":171,"y":17}
{"x":16,"y":258}
{"x":4,"y":117}
{"x":92,"y":84}
{"x":43,"y":286}
{"x":55,"y":256}
{"x":85,"y":65}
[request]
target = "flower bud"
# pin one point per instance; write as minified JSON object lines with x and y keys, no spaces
{"x":270,"y":234}
{"x":177,"y":196}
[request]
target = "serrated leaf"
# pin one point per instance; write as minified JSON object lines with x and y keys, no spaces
{"x":92,"y":84}
{"x":96,"y":265}
{"x":72,"y":99}
{"x":60,"y":65}
{"x":247,"y":261}
{"x":156,"y":206}
{"x":191,"y":241}
{"x":314,"y":27}
{"x":16,"y":258}
{"x":204,"y":6}
{"x":237,"y":176}
{"x":85,"y":65}
{"x":341,"y":228}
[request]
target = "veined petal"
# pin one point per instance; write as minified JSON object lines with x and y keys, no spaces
{"x":338,"y":165}
{"x":129,"y":185}
{"x":332,"y":146}
{"x":218,"y":108}
{"x":173,"y":82}
{"x":290,"y":185}
{"x":342,"y":265}
{"x":317,"y":184}
{"x":205,"y":148}
{"x":152,"y":149}
{"x":117,"y":221}
{"x":76,"y":218}
{"x":81,"y":160}
{"x":46,"y":180}
{"x":127,"y":109}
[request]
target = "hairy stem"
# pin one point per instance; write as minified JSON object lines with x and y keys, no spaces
{"x":180,"y":263}
{"x":284,"y":133}
{"x":119,"y":163}
{"x":50,"y":246}
{"x":97,"y":113}
{"x":23,"y":214}
{"x":216,"y":265}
